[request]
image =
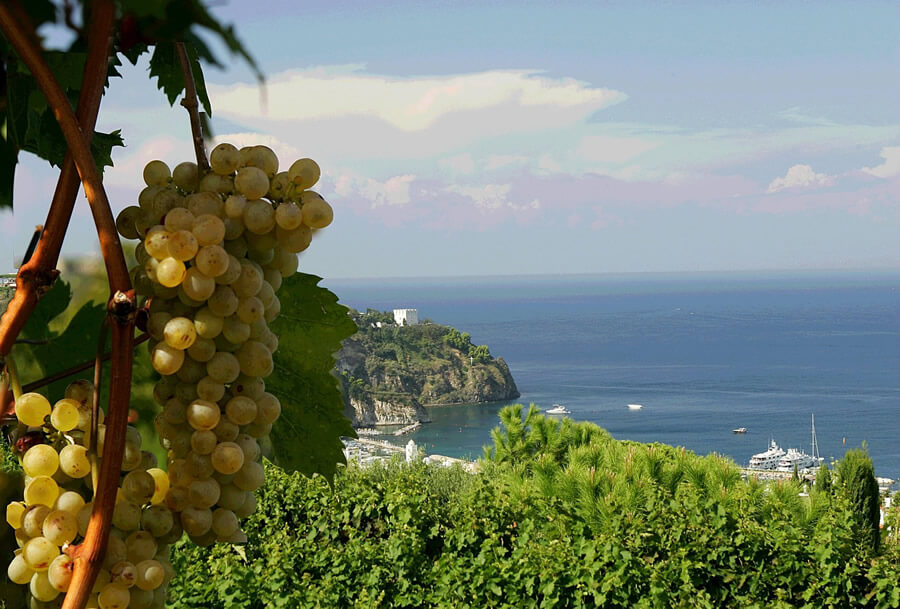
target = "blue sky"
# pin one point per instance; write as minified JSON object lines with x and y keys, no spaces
{"x":471,"y":138}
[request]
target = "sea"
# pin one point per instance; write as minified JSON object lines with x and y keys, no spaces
{"x":702,"y":353}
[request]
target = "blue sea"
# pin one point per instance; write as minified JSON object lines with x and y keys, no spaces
{"x":703,"y":353}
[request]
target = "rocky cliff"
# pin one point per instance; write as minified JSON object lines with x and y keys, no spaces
{"x":390,"y":372}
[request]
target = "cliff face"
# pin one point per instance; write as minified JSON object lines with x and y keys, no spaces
{"x":390,"y":372}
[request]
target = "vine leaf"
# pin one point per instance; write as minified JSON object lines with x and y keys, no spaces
{"x":164,"y":66}
{"x":77,"y":342}
{"x":310,"y":330}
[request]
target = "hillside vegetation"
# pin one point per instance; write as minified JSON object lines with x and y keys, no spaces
{"x":390,"y":371}
{"x":562,"y":515}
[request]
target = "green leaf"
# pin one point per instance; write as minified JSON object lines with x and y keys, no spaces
{"x":76,"y":343}
{"x":102,"y":145}
{"x":164,"y":65}
{"x":310,"y":330}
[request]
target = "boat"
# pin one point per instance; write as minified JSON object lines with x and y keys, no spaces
{"x":635,"y":406}
{"x":739,"y":430}
{"x":768,"y":459}
{"x":558,"y":409}
{"x":797,"y":459}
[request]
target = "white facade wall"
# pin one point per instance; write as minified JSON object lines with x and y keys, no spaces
{"x":406,"y":317}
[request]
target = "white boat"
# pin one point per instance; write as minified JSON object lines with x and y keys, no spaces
{"x":768,"y":459}
{"x":635,"y":406}
{"x":739,"y":430}
{"x":558,"y":409}
{"x":796,"y":458}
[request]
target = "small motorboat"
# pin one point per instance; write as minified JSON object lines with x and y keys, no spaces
{"x":558,"y":409}
{"x":635,"y":406}
{"x":739,"y":430}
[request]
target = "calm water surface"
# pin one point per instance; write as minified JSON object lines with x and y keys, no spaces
{"x":703,"y":353}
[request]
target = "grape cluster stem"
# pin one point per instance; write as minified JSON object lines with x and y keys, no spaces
{"x":192,"y":106}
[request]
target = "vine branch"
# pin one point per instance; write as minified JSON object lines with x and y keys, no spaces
{"x":191,"y":104}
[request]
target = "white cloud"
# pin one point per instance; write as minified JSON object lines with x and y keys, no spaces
{"x":460,"y":164}
{"x":409,"y":104}
{"x":493,"y":197}
{"x":800,"y":176}
{"x":891,"y":165}
{"x":499,"y":161}
{"x":394,"y":191}
{"x":607,"y":149}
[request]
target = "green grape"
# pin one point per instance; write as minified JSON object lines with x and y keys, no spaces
{"x":74,"y":462}
{"x":208,"y":324}
{"x":234,"y":228}
{"x":224,"y":523}
{"x":196,"y":521}
{"x":208,"y":229}
{"x":156,"y":242}
{"x":251,"y":386}
{"x":164,"y":201}
{"x":199,"y":466}
{"x":161,"y":485}
{"x":60,"y":572}
{"x":15,"y":513}
{"x":212,"y":260}
{"x":179,"y":219}
{"x":113,"y":596}
{"x":273,"y":278}
{"x":150,"y":574}
{"x":235,"y":331}
{"x":240,"y":410}
{"x":177,"y":500}
{"x":126,"y":515}
{"x":33,"y":519}
{"x":170,"y":272}
{"x":304,"y":173}
{"x":234,"y":206}
{"x":40,"y":460}
{"x":223,"y":301}
{"x":249,"y":282}
{"x":255,"y":359}
{"x":60,"y":527}
{"x":141,"y":546}
{"x":278,"y":186}
{"x":249,"y":446}
{"x":295,"y":240}
{"x":227,"y":458}
{"x":259,"y":216}
{"x":264,"y":158}
{"x":179,"y":333}
{"x":236,"y":247}
{"x":250,"y":309}
{"x":156,"y":173}
{"x":210,"y":389}
{"x":41,"y":490}
{"x":158,"y":520}
{"x":317,"y":213}
{"x":223,"y":367}
{"x":64,"y":415}
{"x":182,"y":245}
{"x":156,"y":324}
{"x":31,"y":408}
{"x":39,"y":552}
{"x":203,"y":441}
{"x":18,"y":570}
{"x":203,"y":493}
{"x":123,"y":573}
{"x":175,"y":411}
{"x":186,"y":176}
{"x":191,"y":372}
{"x":288,"y":215}
{"x":84,"y":517}
{"x":70,"y":501}
{"x":224,"y":159}
{"x":165,"y":359}
{"x":251,"y":182}
{"x":198,"y":286}
{"x":248,"y":507}
{"x":41,"y":588}
{"x":138,"y":486}
{"x":231,"y":273}
{"x":272,"y":310}
{"x":226,"y":431}
{"x":125,"y":222}
{"x":202,"y":414}
{"x":231,"y":497}
{"x":261,"y":242}
{"x":202,"y":349}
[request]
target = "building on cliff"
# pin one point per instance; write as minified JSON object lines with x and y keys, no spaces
{"x":406,"y":317}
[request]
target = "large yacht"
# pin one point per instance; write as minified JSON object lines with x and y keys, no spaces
{"x":768,"y":459}
{"x":797,"y":458}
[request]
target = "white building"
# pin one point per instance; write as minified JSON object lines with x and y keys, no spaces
{"x":406,"y":317}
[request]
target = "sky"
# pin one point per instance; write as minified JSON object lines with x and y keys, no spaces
{"x":508,"y":138}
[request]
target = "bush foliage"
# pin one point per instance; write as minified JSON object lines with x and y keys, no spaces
{"x":562,"y":515}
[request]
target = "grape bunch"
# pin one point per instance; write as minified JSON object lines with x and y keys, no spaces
{"x":56,"y":456}
{"x":214,"y":251}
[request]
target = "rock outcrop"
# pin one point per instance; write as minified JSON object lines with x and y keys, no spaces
{"x":390,"y":372}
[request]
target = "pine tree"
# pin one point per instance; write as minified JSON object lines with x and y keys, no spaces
{"x":823,"y":479}
{"x":857,"y":483}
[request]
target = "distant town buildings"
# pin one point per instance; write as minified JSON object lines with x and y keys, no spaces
{"x":406,"y":317}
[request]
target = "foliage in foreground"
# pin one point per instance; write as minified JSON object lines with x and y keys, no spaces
{"x":562,"y":516}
